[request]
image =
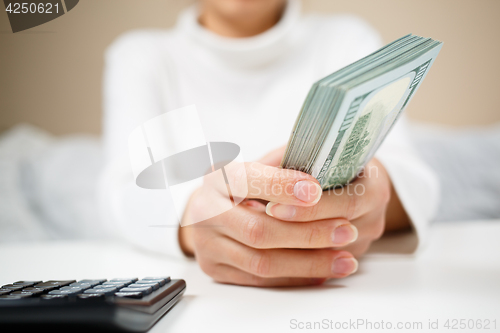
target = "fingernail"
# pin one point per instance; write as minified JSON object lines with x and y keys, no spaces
{"x":307,"y":191}
{"x":280,"y":211}
{"x":344,"y":234}
{"x":344,"y":266}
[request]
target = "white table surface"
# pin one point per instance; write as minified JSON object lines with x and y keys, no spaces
{"x":457,"y":276}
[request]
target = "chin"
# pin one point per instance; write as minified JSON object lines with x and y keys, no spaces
{"x":240,"y":8}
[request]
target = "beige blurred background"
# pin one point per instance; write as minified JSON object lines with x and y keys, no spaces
{"x":50,"y":76}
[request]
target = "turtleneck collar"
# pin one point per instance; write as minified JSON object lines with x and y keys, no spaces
{"x":248,"y":52}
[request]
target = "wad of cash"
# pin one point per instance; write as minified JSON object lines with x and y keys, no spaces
{"x":347,"y":114}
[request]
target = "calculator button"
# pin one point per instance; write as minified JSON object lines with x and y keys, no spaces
{"x":77,"y":289}
{"x":22,"y":293}
{"x":26,"y":283}
{"x":93,"y":282}
{"x":65,"y":292}
{"x":44,"y":289}
{"x":4,"y":292}
{"x":127,"y":281}
{"x":106,"y":287}
{"x":144,"y":291}
{"x":11,"y":297}
{"x":12,"y":287}
{"x":50,"y":297}
{"x":80,"y":285}
{"x":34,"y":291}
{"x":167,"y":278}
{"x":129,"y":294}
{"x":162,"y":280}
{"x":155,"y":286}
{"x":94,"y":292}
{"x":104,"y":291}
{"x":53,"y":283}
{"x":70,"y":288}
{"x":113,"y":284}
{"x":90,"y":296}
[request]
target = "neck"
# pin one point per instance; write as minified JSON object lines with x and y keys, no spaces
{"x":240,"y":26}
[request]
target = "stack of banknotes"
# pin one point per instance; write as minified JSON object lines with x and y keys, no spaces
{"x":347,"y":114}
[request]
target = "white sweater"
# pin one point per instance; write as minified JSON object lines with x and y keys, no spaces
{"x":247,"y":91}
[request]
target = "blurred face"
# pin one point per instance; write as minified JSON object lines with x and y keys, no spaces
{"x":244,"y":9}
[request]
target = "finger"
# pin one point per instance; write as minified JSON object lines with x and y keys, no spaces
{"x":256,"y":205}
{"x":258,"y":181}
{"x":258,"y":230}
{"x":274,"y":157}
{"x":324,"y":263}
{"x":359,"y":248}
{"x":350,"y":202}
{"x":231,"y":275}
{"x":341,"y":203}
{"x":370,"y":227}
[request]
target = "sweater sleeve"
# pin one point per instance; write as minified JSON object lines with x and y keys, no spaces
{"x":132,"y":94}
{"x":416,"y":185}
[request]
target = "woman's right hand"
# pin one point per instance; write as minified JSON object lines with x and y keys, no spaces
{"x":245,"y":246}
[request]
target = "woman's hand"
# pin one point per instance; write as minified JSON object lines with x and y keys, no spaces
{"x":364,"y":203}
{"x":369,"y":203}
{"x":307,"y":235}
{"x":246,"y":246}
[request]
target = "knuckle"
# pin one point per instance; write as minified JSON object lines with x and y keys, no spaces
{"x":320,"y":264}
{"x":260,"y":264}
{"x":281,"y":182}
{"x":219,"y":275}
{"x":253,"y":231}
{"x":313,"y":235}
{"x":310,"y":213}
{"x":379,"y":228}
{"x":204,"y":242}
{"x":207,"y":267}
{"x":352,"y":206}
{"x":276,"y":183}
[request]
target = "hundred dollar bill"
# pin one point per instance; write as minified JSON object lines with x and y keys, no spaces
{"x":347,"y":115}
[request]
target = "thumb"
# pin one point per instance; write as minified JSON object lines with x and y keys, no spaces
{"x":258,"y":181}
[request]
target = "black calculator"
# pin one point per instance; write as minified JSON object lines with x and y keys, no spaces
{"x":127,"y":305}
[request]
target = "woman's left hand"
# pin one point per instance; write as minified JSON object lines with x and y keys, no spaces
{"x":366,"y":203}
